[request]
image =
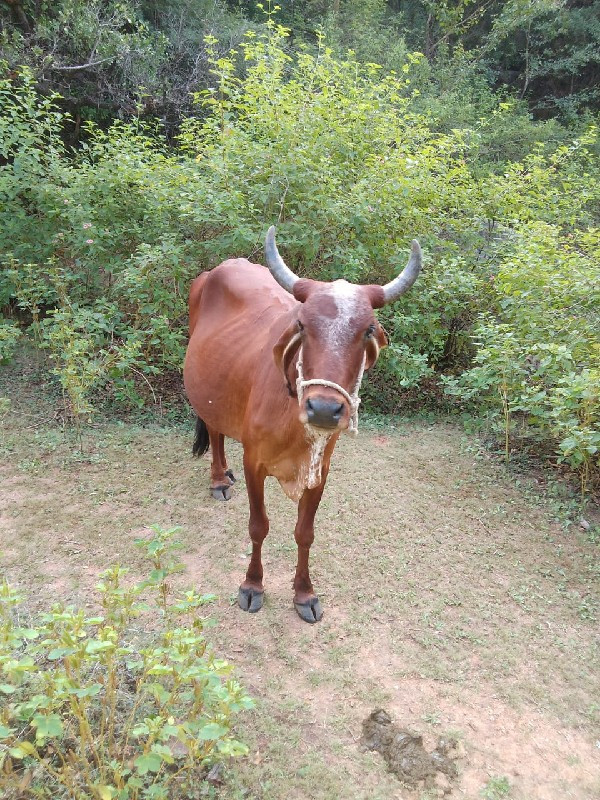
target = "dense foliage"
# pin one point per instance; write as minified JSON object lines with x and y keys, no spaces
{"x":115,"y":57}
{"x":350,"y":161}
{"x":92,"y":710}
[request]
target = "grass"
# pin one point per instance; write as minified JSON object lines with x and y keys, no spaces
{"x":496,"y":789}
{"x":453,"y":598}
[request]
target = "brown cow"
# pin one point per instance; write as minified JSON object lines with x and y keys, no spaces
{"x":276,"y":362}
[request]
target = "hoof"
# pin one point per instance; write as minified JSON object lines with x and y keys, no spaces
{"x":310,"y":611}
{"x":250,"y":600}
{"x":221,"y":492}
{"x":230,"y":475}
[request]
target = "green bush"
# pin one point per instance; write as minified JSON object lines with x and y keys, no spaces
{"x":9,"y":336}
{"x":98,"y":248}
{"x":540,"y":365}
{"x":92,"y":709}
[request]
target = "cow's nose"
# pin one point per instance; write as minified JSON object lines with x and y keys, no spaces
{"x":323,"y":413}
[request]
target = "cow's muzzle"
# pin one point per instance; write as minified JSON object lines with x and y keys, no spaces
{"x":323,"y":412}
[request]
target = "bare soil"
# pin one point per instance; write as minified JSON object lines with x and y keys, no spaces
{"x":453,"y":599}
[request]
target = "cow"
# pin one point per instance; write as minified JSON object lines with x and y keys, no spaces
{"x":276,"y":362}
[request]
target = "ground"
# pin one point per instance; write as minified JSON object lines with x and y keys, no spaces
{"x":454,"y":598}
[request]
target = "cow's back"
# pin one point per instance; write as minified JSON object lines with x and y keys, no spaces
{"x":237,"y":313}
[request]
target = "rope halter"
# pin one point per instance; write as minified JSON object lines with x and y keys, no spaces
{"x":352,"y":398}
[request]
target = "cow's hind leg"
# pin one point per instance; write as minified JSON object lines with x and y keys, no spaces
{"x":250,"y":596}
{"x":306,"y":602}
{"x":226,"y":469}
{"x":221,"y":477}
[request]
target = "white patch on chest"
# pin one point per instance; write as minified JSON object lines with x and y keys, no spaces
{"x":310,"y":469}
{"x":345,"y":297}
{"x":318,"y":442}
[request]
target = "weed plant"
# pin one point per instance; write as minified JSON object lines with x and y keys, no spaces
{"x":95,"y":708}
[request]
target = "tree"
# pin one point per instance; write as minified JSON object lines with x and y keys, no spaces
{"x":115,"y":58}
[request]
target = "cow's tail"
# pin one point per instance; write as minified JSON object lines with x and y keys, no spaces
{"x":201,"y":441}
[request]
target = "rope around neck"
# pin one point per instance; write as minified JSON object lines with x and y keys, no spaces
{"x":353,"y":399}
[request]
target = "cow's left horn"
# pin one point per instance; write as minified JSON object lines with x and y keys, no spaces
{"x":410,"y":273}
{"x":279,"y":269}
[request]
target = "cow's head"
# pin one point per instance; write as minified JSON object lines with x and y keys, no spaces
{"x":338,"y":334}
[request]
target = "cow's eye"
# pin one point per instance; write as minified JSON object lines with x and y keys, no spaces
{"x":370,"y":331}
{"x":300,"y":326}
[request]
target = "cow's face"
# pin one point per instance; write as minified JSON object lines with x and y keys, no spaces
{"x":339,"y":336}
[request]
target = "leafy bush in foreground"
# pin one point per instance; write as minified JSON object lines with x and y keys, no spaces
{"x":91,"y":710}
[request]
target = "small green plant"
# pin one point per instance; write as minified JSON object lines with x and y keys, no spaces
{"x":9,"y":336}
{"x":496,"y":788}
{"x":432,"y":718}
{"x":86,"y":350}
{"x":93,"y":710}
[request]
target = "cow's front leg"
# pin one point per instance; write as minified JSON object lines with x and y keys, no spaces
{"x":250,"y":596}
{"x":306,"y":601}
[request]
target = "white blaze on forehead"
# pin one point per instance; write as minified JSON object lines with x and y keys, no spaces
{"x":346,"y":298}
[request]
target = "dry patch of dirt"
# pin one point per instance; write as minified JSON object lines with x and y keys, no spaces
{"x":452,"y":599}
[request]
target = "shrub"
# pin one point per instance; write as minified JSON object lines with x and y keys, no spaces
{"x":541,"y":363}
{"x":95,"y":710}
{"x":9,"y":336}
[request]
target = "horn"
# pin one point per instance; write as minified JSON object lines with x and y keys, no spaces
{"x":410,"y":273}
{"x":279,"y":269}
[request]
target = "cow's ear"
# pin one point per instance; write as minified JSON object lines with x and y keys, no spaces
{"x":375,"y":343}
{"x":284,"y":352}
{"x":376,"y":295}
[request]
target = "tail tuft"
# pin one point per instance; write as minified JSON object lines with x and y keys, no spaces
{"x":201,"y":442}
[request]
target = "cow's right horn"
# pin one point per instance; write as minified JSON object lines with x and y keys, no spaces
{"x":279,"y":269}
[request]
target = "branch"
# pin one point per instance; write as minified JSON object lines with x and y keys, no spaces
{"x":83,"y":66}
{"x":20,"y":16}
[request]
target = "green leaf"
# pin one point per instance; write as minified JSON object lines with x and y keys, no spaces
{"x":160,"y":669}
{"x":22,"y":750}
{"x":149,"y":762}
{"x":211,"y":730}
{"x":158,"y":691}
{"x":47,"y":725}
{"x":5,"y":732}
{"x":141,"y":729}
{"x":164,"y":751}
{"x":105,"y":792}
{"x":98,"y":646}
{"x":6,"y":688}
{"x":60,"y":652}
{"x":87,"y":691}
{"x":27,"y":633}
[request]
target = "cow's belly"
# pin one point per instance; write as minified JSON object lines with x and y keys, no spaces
{"x":217,"y":392}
